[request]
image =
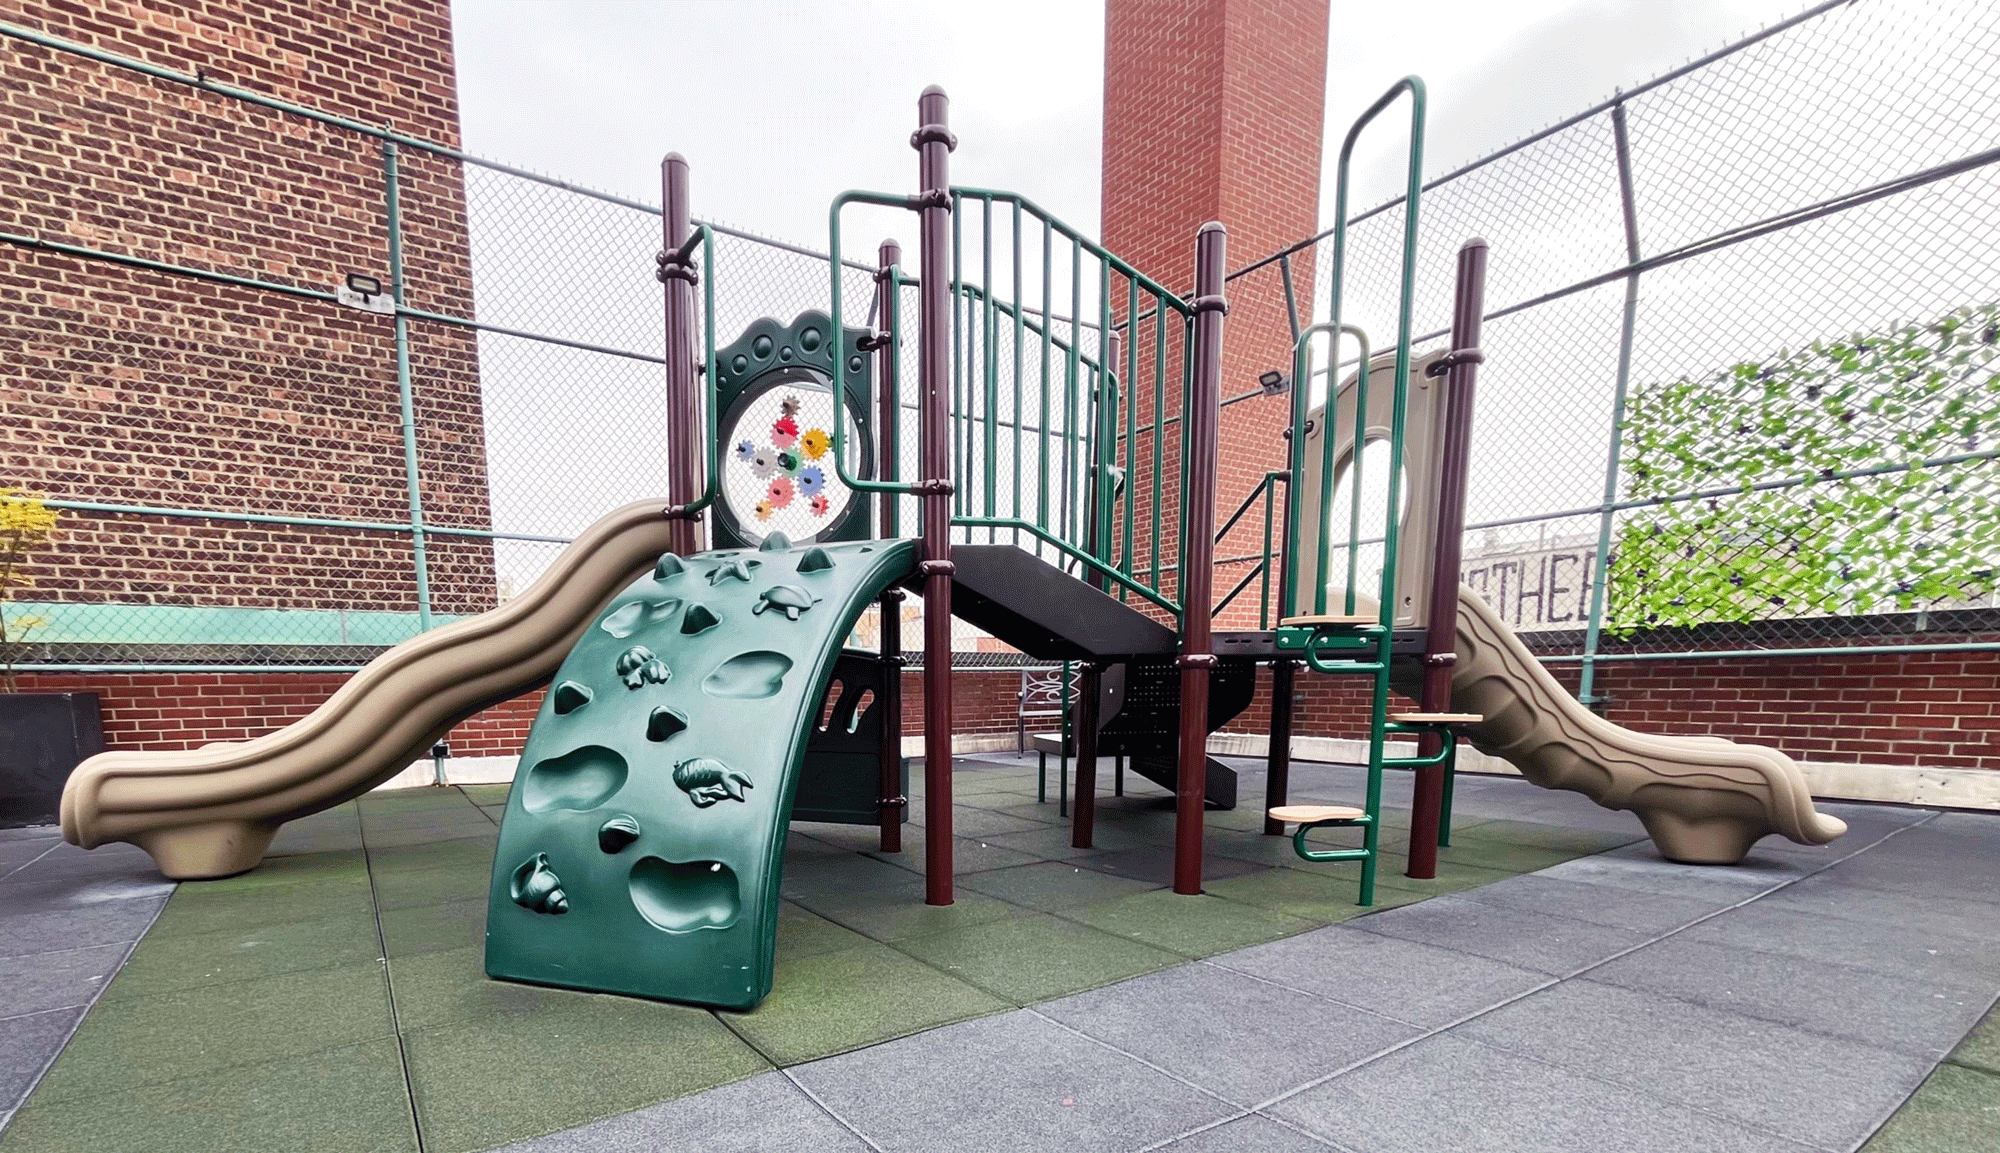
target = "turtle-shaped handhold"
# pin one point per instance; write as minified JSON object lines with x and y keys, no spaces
{"x":788,"y":599}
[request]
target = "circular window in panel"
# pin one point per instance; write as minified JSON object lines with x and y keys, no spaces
{"x":778,"y":473}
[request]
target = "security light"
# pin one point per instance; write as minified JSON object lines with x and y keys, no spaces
{"x":1274,"y":382}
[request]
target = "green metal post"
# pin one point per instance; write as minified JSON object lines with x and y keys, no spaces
{"x":405,"y":390}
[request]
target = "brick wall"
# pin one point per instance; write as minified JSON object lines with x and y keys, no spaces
{"x":1213,"y":111}
{"x":125,"y":386}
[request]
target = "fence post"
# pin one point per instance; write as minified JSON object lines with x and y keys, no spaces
{"x":933,"y":141}
{"x":1201,"y":415}
{"x":405,"y":389}
{"x":1593,"y":630}
{"x":684,"y":433}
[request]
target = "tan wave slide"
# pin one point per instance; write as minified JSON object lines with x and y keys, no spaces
{"x":1704,"y":800}
{"x":211,"y":812}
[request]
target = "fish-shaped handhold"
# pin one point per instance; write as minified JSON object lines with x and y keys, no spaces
{"x":706,"y":781}
{"x":537,"y":889}
{"x":638,"y":666}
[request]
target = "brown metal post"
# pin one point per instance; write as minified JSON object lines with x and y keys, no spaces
{"x":933,"y":141}
{"x":1202,"y":416}
{"x":684,"y":431}
{"x":1278,"y":762}
{"x":893,"y":800}
{"x":1083,"y":811}
{"x":1441,"y":631}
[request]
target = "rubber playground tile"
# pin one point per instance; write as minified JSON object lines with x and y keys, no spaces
{"x":1403,"y":980}
{"x":477,"y":828}
{"x":1322,"y":896}
{"x":1034,"y":958}
{"x":803,"y":933}
{"x":195,"y":909}
{"x":1956,"y":1110}
{"x":514,"y":1075}
{"x":1639,"y":867}
{"x":1448,"y":1093}
{"x":486,"y":794}
{"x":1819,"y":1090}
{"x":170,"y":962}
{"x":1155,"y":865}
{"x":1198,"y":926}
{"x":474,"y":851}
{"x":968,"y":855}
{"x":1981,"y":1047}
{"x":191,"y":1032}
{"x":62,"y":979}
{"x":1451,"y":876}
{"x":52,"y":896}
{"x":14,"y":854}
{"x":1530,"y":940}
{"x":1633,"y":909}
{"x":901,"y":912}
{"x":26,"y":1044}
{"x":1933,"y":958}
{"x":1052,"y":885}
{"x":1252,"y":1134}
{"x":818,"y":875}
{"x":1835,"y":1000}
{"x":66,"y":862}
{"x":1827,"y":895}
{"x":331,"y":1101}
{"x":113,"y":922}
{"x":1016,"y":1082}
{"x":761,"y":1114}
{"x":293,"y":842}
{"x":836,"y":1002}
{"x":968,"y":821}
{"x":451,"y":987}
{"x":417,"y":929}
{"x":1049,"y":843}
{"x":326,"y":865}
{"x":1503,"y":856}
{"x":1244,"y":1040}
{"x":402,"y":889}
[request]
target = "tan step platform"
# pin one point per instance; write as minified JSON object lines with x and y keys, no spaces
{"x":1437,"y":718}
{"x":1313,"y":814}
{"x":1324,"y":620}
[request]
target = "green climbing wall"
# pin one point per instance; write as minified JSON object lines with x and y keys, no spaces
{"x":645,"y":831}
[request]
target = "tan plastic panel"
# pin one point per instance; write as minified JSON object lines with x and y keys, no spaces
{"x":1704,"y":800}
{"x":211,"y":812}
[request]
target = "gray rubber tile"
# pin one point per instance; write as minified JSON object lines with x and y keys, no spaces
{"x":66,"y":862}
{"x":1867,"y":825}
{"x":76,"y":893}
{"x":58,"y":980}
{"x":103,"y":924}
{"x":1925,"y":870}
{"x":1012,"y":1081}
{"x":1638,"y":867}
{"x":1835,"y":1000}
{"x":1820,"y":1090}
{"x":1155,"y":865}
{"x":14,"y":854}
{"x":1548,"y":944}
{"x":1240,"y":1038}
{"x":1827,"y":895}
{"x":1633,"y":909}
{"x":1401,"y":980}
{"x":762,"y":1114}
{"x":26,"y":1046}
{"x":1252,"y":1134}
{"x":1449,"y":1093}
{"x":32,"y":833}
{"x":1893,"y":950}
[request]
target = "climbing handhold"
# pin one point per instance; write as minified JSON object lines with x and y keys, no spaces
{"x":776,"y":542}
{"x":788,"y":599}
{"x":570,"y":697}
{"x":669,"y":566}
{"x":638,"y":666}
{"x":698,"y":619}
{"x":537,"y":889}
{"x":706,"y":781}
{"x":736,"y":566}
{"x":664,"y":723}
{"x":816,"y":559}
{"x":630,"y":618}
{"x":617,"y":833}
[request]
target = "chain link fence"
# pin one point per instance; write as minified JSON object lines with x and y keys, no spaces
{"x":1741,"y":336}
{"x":1738,"y":362}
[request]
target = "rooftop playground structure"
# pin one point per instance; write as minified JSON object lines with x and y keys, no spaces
{"x":1063,"y":495}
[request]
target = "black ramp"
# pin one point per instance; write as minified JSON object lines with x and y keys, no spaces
{"x":1046,"y":612}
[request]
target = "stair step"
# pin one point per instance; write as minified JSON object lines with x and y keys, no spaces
{"x":1314,"y":814}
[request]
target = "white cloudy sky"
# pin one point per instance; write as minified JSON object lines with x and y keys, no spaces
{"x":779,"y":105}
